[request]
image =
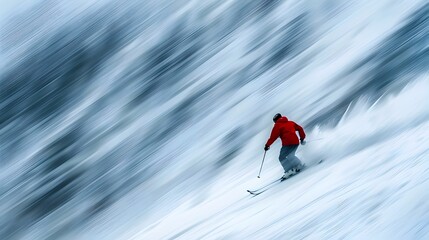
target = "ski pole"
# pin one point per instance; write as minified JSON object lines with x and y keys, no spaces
{"x":313,"y":140}
{"x":263,"y":159}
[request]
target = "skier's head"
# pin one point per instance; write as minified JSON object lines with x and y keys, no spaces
{"x":276,"y":117}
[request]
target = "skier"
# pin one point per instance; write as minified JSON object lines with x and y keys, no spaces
{"x":286,"y":130}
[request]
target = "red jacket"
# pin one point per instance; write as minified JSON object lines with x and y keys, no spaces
{"x":286,"y":130}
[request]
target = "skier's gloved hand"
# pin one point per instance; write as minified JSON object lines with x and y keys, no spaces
{"x":266,"y":148}
{"x":303,"y":142}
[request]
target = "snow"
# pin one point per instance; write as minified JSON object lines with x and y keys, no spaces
{"x":376,"y":192}
{"x":147,"y":119}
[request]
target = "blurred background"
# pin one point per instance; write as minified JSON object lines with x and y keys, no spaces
{"x":132,"y":119}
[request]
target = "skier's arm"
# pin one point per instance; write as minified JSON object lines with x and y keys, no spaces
{"x":300,"y":131}
{"x":275,"y":133}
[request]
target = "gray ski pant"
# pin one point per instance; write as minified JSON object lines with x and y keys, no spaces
{"x":288,"y":159}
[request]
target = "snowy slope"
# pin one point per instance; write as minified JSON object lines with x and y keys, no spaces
{"x":147,"y":119}
{"x":376,"y":192}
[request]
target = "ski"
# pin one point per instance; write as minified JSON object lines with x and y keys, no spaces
{"x":256,"y":192}
{"x":263,"y":188}
{"x":269,"y":185}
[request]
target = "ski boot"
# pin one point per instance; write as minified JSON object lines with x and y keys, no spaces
{"x":290,"y":173}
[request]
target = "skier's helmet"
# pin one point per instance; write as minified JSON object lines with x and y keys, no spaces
{"x":276,"y":117}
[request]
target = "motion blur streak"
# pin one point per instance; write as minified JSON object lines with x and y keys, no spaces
{"x":147,"y":119}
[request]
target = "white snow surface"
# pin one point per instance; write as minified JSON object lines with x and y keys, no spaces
{"x":373,"y":190}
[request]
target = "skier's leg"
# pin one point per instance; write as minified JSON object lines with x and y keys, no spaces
{"x":284,"y":159}
{"x":293,"y":159}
